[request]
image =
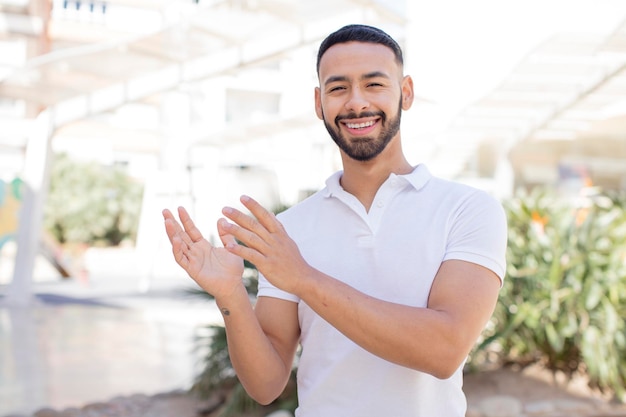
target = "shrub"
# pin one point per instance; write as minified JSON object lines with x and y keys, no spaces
{"x":91,"y":203}
{"x":564,"y":297}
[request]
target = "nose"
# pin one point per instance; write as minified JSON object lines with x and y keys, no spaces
{"x":356,"y":100}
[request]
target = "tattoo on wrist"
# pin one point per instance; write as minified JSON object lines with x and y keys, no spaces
{"x":225,"y":311}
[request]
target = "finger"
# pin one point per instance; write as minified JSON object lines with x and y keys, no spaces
{"x":226,"y":237}
{"x":179,"y":249}
{"x":229,"y":241}
{"x":248,"y":253}
{"x":175,"y":234}
{"x":167,"y":214}
{"x":190,"y":227}
{"x":244,"y":222}
{"x":172,"y":228}
{"x":265,"y":217}
{"x":248,"y":237}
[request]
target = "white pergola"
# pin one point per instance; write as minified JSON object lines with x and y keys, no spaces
{"x":559,"y":90}
{"x":86,"y":70}
{"x":563,"y":89}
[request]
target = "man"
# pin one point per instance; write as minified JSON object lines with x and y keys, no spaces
{"x":385,"y":278}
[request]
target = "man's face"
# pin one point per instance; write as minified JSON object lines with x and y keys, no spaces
{"x":361,"y":97}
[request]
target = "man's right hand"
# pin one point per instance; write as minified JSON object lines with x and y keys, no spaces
{"x":215,"y":269}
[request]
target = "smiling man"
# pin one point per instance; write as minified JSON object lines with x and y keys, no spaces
{"x":385,"y":278}
{"x":356,"y":100}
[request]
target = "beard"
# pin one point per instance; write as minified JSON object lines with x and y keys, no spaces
{"x":364,"y":148}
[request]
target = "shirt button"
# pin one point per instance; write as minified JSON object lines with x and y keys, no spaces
{"x":379,"y":204}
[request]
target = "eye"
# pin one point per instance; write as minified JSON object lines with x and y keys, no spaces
{"x":374,"y":84}
{"x":336,"y":88}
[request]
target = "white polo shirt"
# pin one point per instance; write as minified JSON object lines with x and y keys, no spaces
{"x":392,"y":253}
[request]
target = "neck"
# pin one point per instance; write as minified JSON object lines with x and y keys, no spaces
{"x":363,"y":179}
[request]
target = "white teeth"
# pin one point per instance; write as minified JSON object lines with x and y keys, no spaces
{"x":359,"y":125}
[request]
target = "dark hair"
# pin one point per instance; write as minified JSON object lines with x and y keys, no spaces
{"x":359,"y":33}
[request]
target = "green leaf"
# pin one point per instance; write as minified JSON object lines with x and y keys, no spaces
{"x":566,"y":270}
{"x":593,"y":296}
{"x":555,"y":340}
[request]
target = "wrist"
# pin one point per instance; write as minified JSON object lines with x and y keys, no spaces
{"x":307,"y":282}
{"x":233,"y":300}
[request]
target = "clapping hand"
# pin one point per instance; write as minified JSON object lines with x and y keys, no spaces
{"x":215,"y":269}
{"x":265,"y":243}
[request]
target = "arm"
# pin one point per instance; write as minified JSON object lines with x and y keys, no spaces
{"x":262,"y":361}
{"x":261,"y":343}
{"x":435,"y":339}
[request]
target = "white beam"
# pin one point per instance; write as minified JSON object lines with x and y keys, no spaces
{"x":20,"y":23}
{"x":35,"y":177}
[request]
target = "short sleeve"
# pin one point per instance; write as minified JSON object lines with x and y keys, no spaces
{"x":478,"y":233}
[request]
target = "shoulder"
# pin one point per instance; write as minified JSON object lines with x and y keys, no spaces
{"x":465,"y":208}
{"x":458,"y":195}
{"x":443,"y":190}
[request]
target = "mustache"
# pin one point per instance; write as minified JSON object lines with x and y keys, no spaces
{"x":354,"y":115}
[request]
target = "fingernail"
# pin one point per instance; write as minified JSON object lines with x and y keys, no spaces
{"x":245,"y":198}
{"x":227,"y":210}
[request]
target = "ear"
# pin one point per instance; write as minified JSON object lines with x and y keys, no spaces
{"x":318,"y":103}
{"x":407,"y":92}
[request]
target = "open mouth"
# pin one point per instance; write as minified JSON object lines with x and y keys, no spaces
{"x":360,"y":127}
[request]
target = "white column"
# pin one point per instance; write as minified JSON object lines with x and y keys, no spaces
{"x":167,"y":188}
{"x":504,"y":175}
{"x":36,"y":176}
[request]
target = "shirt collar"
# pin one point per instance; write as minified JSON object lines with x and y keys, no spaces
{"x":417,"y":178}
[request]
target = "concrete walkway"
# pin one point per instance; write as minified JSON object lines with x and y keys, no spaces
{"x":112,"y":335}
{"x":90,"y":340}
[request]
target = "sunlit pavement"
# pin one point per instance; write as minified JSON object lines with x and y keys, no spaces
{"x":92,"y":339}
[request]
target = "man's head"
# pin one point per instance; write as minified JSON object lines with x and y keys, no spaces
{"x":359,"y":33}
{"x":362,"y":91}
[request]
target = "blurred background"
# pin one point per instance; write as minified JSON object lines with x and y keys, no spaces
{"x":112,"y":110}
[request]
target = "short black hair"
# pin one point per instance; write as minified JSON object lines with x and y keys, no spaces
{"x":359,"y":33}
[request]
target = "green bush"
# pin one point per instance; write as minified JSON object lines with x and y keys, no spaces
{"x":564,"y":299}
{"x":91,"y":203}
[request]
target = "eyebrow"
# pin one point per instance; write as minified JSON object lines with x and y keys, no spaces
{"x":343,"y":78}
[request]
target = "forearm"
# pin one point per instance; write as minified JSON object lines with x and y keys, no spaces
{"x":259,"y":367}
{"x":435,"y":340}
{"x":404,"y":335}
{"x":254,"y":355}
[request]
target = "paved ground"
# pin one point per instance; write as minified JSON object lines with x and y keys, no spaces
{"x":114,"y":340}
{"x":91,"y":339}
